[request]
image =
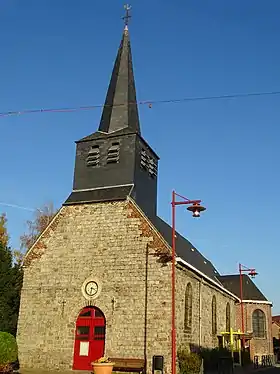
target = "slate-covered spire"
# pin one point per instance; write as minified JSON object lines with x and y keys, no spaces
{"x":120,"y":110}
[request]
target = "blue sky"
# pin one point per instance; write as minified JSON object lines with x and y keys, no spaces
{"x":225,"y":152}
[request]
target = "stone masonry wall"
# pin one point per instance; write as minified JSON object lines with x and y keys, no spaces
{"x":114,"y":243}
{"x":202,"y":294}
{"x":108,"y":241}
{"x":275,"y":330}
{"x":258,"y":346}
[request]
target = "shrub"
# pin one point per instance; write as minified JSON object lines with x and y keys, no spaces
{"x":189,"y":363}
{"x":8,"y":349}
{"x":212,"y":358}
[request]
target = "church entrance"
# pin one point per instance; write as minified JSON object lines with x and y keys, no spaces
{"x":89,"y":338}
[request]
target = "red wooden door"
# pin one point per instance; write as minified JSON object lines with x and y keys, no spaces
{"x":89,"y":338}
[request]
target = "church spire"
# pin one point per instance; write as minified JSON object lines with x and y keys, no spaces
{"x":120,"y":110}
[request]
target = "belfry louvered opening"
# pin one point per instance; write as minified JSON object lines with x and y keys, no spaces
{"x":93,"y":156}
{"x":113,"y":153}
{"x":153,"y":168}
{"x":144,"y":159}
{"x":148,"y":163}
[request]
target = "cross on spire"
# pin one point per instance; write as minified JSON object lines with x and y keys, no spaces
{"x":127,"y":16}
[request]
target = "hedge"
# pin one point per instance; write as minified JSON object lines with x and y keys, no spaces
{"x":8,"y":348}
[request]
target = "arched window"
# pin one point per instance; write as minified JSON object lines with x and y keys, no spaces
{"x":214,"y":316}
{"x":188,"y":308}
{"x":228,"y":317}
{"x":258,"y":319}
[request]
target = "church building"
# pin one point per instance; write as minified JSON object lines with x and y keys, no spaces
{"x":97,"y":282}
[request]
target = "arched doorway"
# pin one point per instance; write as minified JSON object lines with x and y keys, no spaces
{"x":89,"y":338}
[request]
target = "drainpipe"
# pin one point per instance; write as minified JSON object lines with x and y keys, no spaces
{"x":200,"y":312}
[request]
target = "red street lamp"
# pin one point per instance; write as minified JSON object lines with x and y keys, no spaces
{"x":196,"y":208}
{"x":252,"y":273}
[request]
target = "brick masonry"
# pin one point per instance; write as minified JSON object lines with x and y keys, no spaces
{"x":258,"y":346}
{"x":116,"y":244}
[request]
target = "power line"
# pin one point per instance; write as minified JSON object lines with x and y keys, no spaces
{"x":149,"y":103}
{"x":17,"y":206}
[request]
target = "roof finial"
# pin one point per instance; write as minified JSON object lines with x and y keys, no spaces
{"x":127,"y":16}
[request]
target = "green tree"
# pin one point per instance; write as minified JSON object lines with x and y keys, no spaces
{"x":10,"y":284}
{"x":4,"y":237}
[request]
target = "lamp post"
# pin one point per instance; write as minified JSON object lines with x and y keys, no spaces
{"x":196,"y":208}
{"x":252,"y":272}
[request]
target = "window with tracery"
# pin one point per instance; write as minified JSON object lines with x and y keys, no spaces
{"x":259,"y":325}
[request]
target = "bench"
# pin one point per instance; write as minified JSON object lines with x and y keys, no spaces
{"x":136,"y":365}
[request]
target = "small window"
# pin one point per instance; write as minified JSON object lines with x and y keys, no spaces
{"x":214,"y":316}
{"x":83,"y":330}
{"x":99,"y":332}
{"x":87,"y":313}
{"x":188,"y":309}
{"x":98,"y":313}
{"x":93,"y":156}
{"x":228,"y":317}
{"x":113,"y":153}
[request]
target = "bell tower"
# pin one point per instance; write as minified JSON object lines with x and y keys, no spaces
{"x":115,"y":161}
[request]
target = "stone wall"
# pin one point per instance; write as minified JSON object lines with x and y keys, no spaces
{"x":114,"y":243}
{"x":258,"y":346}
{"x":202,"y":294}
{"x":275,"y":330}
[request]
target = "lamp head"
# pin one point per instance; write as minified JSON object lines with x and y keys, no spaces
{"x":253,"y":273}
{"x":196,"y":209}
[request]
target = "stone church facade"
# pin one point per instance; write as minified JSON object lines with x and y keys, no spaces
{"x":98,"y":279}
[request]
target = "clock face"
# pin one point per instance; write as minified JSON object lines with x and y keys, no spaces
{"x":91,"y":288}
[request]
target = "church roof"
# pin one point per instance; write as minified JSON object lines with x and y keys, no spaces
{"x":99,"y":194}
{"x":120,"y":119}
{"x":276,"y":319}
{"x":120,"y":110}
{"x":250,"y":290}
{"x":186,"y":250}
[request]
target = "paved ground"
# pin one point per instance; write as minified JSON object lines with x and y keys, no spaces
{"x":251,"y":370}
{"x":271,"y":370}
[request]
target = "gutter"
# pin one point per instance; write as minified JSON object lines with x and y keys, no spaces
{"x":210,"y":280}
{"x":183,"y":262}
{"x":200,"y":311}
{"x":258,"y":302}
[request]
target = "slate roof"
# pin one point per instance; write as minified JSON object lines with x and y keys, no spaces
{"x":186,"y":250}
{"x":250,"y":290}
{"x":99,"y":194}
{"x":276,"y":319}
{"x":120,"y":110}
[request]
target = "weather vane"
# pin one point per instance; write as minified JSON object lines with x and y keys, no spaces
{"x":127,"y":16}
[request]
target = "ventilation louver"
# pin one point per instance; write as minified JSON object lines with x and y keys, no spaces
{"x":93,"y":156}
{"x":144,"y":159}
{"x":152,"y":168}
{"x":148,"y":163}
{"x":113,"y":153}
